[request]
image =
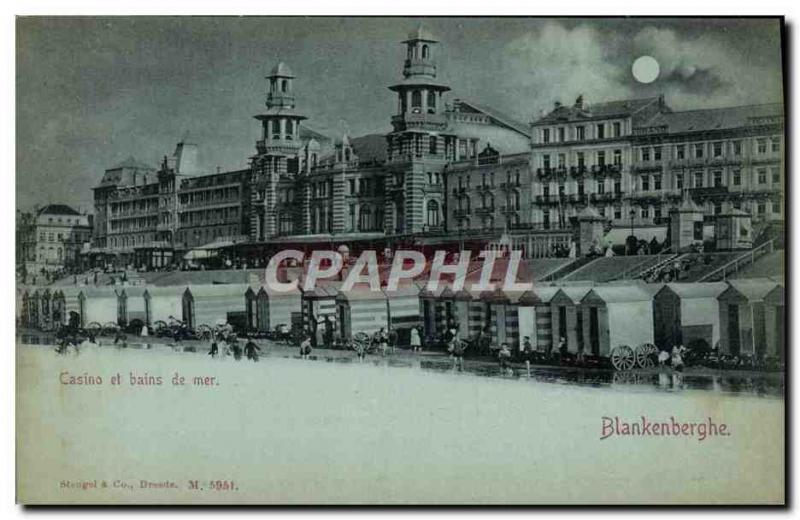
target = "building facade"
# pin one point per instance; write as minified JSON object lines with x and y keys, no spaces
{"x":451,"y":169}
{"x":56,"y":238}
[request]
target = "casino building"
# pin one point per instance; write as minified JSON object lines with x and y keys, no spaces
{"x":446,"y":171}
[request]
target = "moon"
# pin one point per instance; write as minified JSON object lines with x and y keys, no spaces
{"x":645,"y":69}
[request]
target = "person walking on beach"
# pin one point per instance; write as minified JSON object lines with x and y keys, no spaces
{"x":251,"y":350}
{"x":237,"y":350}
{"x":677,"y":358}
{"x":504,"y":356}
{"x":305,"y":347}
{"x":383,"y":341}
{"x":214,"y":350}
{"x":527,"y":352}
{"x":416,"y":342}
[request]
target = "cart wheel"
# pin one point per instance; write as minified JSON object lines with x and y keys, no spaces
{"x":110,"y":328}
{"x":622,"y":358}
{"x":360,"y":339}
{"x":94,"y":328}
{"x":159,"y":325}
{"x":645,"y":354}
{"x":203,"y":332}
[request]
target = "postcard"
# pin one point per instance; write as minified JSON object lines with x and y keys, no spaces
{"x":400,"y":261}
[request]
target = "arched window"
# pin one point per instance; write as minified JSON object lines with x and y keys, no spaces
{"x":425,"y":52}
{"x":515,"y":200}
{"x":433,"y":213}
{"x":284,"y":85}
{"x":276,"y":128}
{"x":416,"y":99}
{"x":289,"y":129}
{"x":431,"y":101}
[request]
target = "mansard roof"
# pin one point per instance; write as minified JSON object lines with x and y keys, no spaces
{"x":608,"y":109}
{"x":57,"y":209}
{"x":133,"y":164}
{"x":496,"y":115}
{"x":711,"y":119}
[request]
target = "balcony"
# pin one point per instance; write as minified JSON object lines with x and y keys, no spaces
{"x":419,"y":119}
{"x":485,"y":211}
{"x":606,"y":169}
{"x":484,"y":188}
{"x":550,"y":199}
{"x":606,"y":197}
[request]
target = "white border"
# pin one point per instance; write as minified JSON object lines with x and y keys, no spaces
{"x":338,"y":7}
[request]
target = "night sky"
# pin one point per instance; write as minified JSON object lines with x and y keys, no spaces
{"x":92,"y":91}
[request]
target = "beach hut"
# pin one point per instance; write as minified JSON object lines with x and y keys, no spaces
{"x":71,"y":303}
{"x":434,"y":317}
{"x":164,"y":302}
{"x":319,"y":302}
{"x":361,"y":310}
{"x":774,"y":323}
{"x":133,"y":306}
{"x":404,"y":310}
{"x":213,"y":304}
{"x":534,"y":317}
{"x":741,"y":316}
{"x":687,"y":314}
{"x":616,"y":315}
{"x":567,"y":316}
{"x":275,"y":308}
{"x":97,"y":305}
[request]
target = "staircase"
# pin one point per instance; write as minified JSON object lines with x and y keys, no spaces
{"x":745,"y":259}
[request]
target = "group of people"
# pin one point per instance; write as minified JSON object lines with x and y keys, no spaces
{"x":232,"y":347}
{"x":674,"y":357}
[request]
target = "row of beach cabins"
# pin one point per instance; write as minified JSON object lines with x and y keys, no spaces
{"x":743,"y":317}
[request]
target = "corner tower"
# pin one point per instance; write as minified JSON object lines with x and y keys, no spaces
{"x":277,"y":157}
{"x":419,"y":145}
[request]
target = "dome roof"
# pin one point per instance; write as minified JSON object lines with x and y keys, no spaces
{"x":420,"y":33}
{"x":282,"y":70}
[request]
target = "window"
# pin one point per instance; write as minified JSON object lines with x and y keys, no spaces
{"x":761,"y":146}
{"x":776,"y":144}
{"x":717,"y":149}
{"x":580,"y":133}
{"x":717,"y":208}
{"x":432,"y":145}
{"x":425,"y":52}
{"x":284,"y":85}
{"x":289,"y":129}
{"x":562,"y":160}
{"x":276,"y":129}
{"x":581,"y":160}
{"x":737,"y":177}
{"x":657,"y":153}
{"x":645,"y":212}
{"x":416,"y":99}
{"x":561,"y":137}
{"x":776,"y":207}
{"x":546,"y":161}
{"x":698,"y":179}
{"x":645,"y":182}
{"x":546,"y":135}
{"x":776,"y":175}
{"x":698,"y":151}
{"x":618,"y":157}
{"x":657,"y":212}
{"x":601,"y":131}
{"x":680,"y":151}
{"x":645,"y":154}
{"x":617,"y":129}
{"x":657,"y":182}
{"x":717,"y":178}
{"x":431,"y":102}
{"x":762,"y":175}
{"x":352,"y":186}
{"x":762,"y":208}
{"x":601,"y":158}
{"x":736,"y":146}
{"x":601,"y":187}
{"x":617,"y":212}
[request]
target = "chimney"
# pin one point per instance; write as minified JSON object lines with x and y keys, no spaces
{"x":186,"y":159}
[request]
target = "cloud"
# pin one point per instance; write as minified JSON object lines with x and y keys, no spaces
{"x":557,"y":63}
{"x":705,"y":70}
